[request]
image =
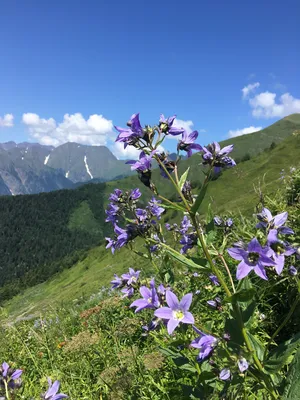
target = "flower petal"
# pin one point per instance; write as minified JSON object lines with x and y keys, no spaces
{"x":280,"y":219}
{"x":164,"y":312}
{"x":243,"y":270}
{"x":172,"y":300}
{"x":279,"y":259}
{"x":172,"y":325}
{"x":260,"y":271}
{"x":185,"y":302}
{"x":188,"y":318}
{"x":285,"y":230}
{"x":237,"y":253}
{"x":267,"y":213}
{"x":145,"y":292}
{"x":254,"y":246}
{"x":16,"y":374}
{"x":52,"y":390}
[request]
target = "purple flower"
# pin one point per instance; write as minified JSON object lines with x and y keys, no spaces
{"x":111,"y":244}
{"x":243,"y":364}
{"x":215,"y":303}
{"x":218,"y":158}
{"x":177,"y":311}
{"x":10,"y":376}
{"x":253,"y":258}
{"x":214,"y":280}
{"x":225,"y":374}
{"x":117,"y":282}
{"x":228,"y":222}
{"x":155,"y":208}
{"x":185,"y":225}
{"x":143,"y":164}
{"x":128,"y":292}
{"x":131,"y":277}
{"x":278,"y":250}
{"x":116,"y":195}
{"x":188,"y":241}
{"x":149,"y":300}
{"x":267,"y":221}
{"x":166,"y":125}
{"x":51,"y":393}
{"x":135,"y":194}
{"x":141,"y":214}
{"x":205,"y":343}
{"x":130,"y":136}
{"x":218,"y":221}
{"x":292,"y":270}
{"x":112,"y":213}
{"x":187,"y":143}
{"x":123,"y":236}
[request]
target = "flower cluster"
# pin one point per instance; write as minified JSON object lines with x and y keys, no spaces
{"x":256,"y":257}
{"x":143,"y":221}
{"x":10,"y":380}
{"x":127,"y":283}
{"x":149,"y":140}
{"x":9,"y":377}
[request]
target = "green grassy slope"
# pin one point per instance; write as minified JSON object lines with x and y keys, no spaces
{"x":233,"y":191}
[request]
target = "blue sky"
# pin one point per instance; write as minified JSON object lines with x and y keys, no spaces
{"x":110,"y":59}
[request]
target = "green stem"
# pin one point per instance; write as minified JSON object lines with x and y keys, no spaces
{"x":174,"y":183}
{"x":208,"y":256}
{"x":228,"y":271}
{"x":6,"y":390}
{"x":282,"y":325}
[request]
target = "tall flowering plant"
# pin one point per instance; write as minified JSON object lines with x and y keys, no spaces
{"x":229,"y":352}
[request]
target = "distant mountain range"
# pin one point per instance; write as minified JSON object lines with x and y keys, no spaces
{"x":28,"y":168}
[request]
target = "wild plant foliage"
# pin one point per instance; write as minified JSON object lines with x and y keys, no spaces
{"x":215,"y":317}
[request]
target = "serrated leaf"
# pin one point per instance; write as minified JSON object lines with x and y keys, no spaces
{"x":292,"y":382}
{"x":242,"y":295}
{"x":257,"y":345}
{"x":280,"y":356}
{"x":248,"y":313}
{"x":183,"y":178}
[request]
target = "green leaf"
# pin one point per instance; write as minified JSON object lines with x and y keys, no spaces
{"x":243,"y":296}
{"x":248,"y":313}
{"x":183,"y":178}
{"x":281,"y":355}
{"x":184,"y":260}
{"x":199,"y":199}
{"x":257,"y":345}
{"x":292,"y":383}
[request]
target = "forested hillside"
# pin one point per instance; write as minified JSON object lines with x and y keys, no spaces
{"x":44,"y":233}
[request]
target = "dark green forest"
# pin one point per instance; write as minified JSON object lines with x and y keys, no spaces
{"x":45,"y":233}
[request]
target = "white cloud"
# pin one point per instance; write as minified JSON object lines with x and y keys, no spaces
{"x":7,"y":121}
{"x":244,"y":131}
{"x":187,"y":125}
{"x":73,"y":128}
{"x":249,"y":88}
{"x":264,"y":105}
{"x":130,"y":153}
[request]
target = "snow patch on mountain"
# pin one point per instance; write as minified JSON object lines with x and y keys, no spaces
{"x":46,"y":159}
{"x":87,"y":167}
